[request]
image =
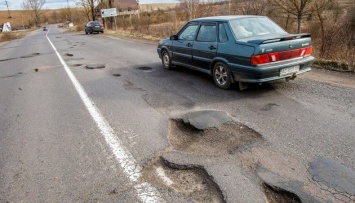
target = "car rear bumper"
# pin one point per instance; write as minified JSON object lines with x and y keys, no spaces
{"x":270,"y":72}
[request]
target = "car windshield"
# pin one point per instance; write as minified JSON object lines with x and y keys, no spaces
{"x":249,"y":27}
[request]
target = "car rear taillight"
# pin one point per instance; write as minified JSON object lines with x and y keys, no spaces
{"x":91,"y":26}
{"x":279,"y":56}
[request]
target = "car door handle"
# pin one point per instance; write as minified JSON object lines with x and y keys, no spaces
{"x":189,"y":44}
{"x":212,"y":47}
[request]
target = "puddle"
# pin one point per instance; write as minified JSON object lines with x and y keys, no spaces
{"x":30,"y":55}
{"x":190,"y":181}
{"x":227,"y":138}
{"x":278,"y":195}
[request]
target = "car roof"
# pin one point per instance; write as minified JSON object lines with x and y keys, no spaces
{"x":225,"y":18}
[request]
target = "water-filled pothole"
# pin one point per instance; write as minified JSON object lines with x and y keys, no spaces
{"x":190,"y":181}
{"x":278,"y":195}
{"x":226,"y":138}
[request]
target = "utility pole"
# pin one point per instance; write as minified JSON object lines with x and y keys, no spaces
{"x":8,"y":10}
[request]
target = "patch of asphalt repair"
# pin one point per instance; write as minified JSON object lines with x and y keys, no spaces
{"x":334,"y":177}
{"x":191,"y":181}
{"x":95,"y":66}
{"x":210,"y":133}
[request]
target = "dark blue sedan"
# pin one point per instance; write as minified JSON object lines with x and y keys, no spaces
{"x":238,"y":49}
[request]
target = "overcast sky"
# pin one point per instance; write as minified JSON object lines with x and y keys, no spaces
{"x":54,"y":4}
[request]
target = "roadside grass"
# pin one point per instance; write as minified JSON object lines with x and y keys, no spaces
{"x":334,"y":65}
{"x":8,"y":36}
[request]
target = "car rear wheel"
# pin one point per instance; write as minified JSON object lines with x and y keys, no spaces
{"x":86,"y":32}
{"x":221,"y":75}
{"x":166,"y":59}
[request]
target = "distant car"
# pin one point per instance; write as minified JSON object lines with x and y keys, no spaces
{"x":238,"y":49}
{"x":45,"y":28}
{"x":93,"y":26}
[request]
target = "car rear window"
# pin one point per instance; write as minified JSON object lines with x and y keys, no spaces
{"x":250,"y":27}
{"x":95,"y":23}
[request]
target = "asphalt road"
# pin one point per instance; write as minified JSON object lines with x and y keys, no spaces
{"x":72,"y":134}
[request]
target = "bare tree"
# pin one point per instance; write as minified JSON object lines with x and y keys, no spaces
{"x":89,"y":8}
{"x":254,"y":7}
{"x":299,"y":9}
{"x":319,"y":7}
{"x":35,"y":6}
{"x":190,"y":6}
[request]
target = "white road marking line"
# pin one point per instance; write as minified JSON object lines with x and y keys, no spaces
{"x":145,"y":191}
{"x":161,"y":173}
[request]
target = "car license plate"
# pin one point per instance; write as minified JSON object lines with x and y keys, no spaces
{"x":289,"y":70}
{"x":97,"y":26}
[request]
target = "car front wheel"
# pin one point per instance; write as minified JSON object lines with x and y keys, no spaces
{"x":166,"y":59}
{"x":221,"y":75}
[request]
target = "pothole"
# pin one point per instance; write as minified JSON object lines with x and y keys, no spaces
{"x":77,"y":65}
{"x":145,"y":68}
{"x":30,"y":55}
{"x":116,"y":74}
{"x":95,"y":66}
{"x":35,"y":70}
{"x":278,"y":195}
{"x":8,"y":59}
{"x":69,"y":54}
{"x":74,"y":59}
{"x":190,"y":181}
{"x":10,"y":76}
{"x":226,"y":138}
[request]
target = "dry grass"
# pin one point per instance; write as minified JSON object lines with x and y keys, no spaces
{"x":8,"y":36}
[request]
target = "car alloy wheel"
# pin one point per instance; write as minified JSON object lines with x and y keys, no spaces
{"x":221,"y":75}
{"x":166,"y":60}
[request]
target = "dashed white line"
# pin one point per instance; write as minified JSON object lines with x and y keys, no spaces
{"x":145,"y":191}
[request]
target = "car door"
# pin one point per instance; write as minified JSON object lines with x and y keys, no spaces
{"x":181,"y":47}
{"x":205,"y":45}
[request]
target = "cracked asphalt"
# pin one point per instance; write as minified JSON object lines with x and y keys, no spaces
{"x":51,"y":150}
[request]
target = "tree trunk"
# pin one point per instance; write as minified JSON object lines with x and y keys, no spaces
{"x":299,"y":21}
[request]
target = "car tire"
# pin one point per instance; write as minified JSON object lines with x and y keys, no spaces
{"x":166,"y":60}
{"x":221,"y":75}
{"x":86,"y":32}
{"x":102,"y":32}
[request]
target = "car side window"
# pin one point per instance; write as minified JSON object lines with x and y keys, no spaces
{"x":222,"y":34}
{"x":189,"y":32}
{"x":207,"y":33}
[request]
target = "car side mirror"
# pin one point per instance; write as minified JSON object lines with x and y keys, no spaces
{"x":173,"y":37}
